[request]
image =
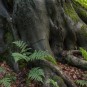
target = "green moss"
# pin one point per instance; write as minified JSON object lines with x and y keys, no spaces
{"x":59,"y":80}
{"x":83,"y":31}
{"x":83,"y":12}
{"x":82,"y":2}
{"x":80,"y":10}
{"x":69,"y":10}
{"x":83,"y":27}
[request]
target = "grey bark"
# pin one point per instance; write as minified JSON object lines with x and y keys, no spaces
{"x":36,"y":21}
{"x":74,"y":57}
{"x":46,"y":25}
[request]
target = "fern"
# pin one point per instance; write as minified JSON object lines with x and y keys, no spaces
{"x":36,"y":74}
{"x":6,"y":82}
{"x":82,"y":83}
{"x":41,"y":55}
{"x":84,"y":53}
{"x":22,"y":46}
{"x":18,"y":56}
{"x":37,"y":55}
{"x":52,"y":82}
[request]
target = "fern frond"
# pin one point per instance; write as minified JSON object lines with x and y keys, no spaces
{"x":51,"y":59}
{"x":6,"y":82}
{"x":17,"y":57}
{"x":37,"y":55}
{"x":41,"y":55}
{"x":52,"y":82}
{"x":82,"y":83}
{"x":21,"y":45}
{"x":84,"y":53}
{"x":36,"y":74}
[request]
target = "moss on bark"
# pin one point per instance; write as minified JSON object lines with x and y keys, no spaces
{"x":69,"y":10}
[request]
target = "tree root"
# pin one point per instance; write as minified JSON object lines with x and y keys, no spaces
{"x":58,"y":71}
{"x":75,"y":60}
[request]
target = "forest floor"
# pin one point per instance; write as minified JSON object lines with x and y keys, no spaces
{"x":20,"y":78}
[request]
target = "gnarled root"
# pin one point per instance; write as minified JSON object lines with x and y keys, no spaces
{"x":58,"y":72}
{"x":75,"y":60}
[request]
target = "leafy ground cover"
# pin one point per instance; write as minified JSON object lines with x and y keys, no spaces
{"x":20,"y":78}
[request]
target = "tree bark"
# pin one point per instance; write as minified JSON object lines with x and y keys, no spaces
{"x":50,"y":25}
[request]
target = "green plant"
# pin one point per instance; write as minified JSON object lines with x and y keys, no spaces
{"x":5,"y":81}
{"x":18,"y":56}
{"x":36,"y":74}
{"x":84,"y":53}
{"x":52,"y":82}
{"x":41,"y":55}
{"x":82,"y":83}
{"x":23,"y":47}
{"x":6,"y":78}
{"x":28,"y":56}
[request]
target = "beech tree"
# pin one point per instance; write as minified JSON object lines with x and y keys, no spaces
{"x":49,"y":25}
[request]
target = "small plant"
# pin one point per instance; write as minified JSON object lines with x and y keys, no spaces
{"x":52,"y":82}
{"x":23,"y":47}
{"x":25,"y":54}
{"x":82,"y":83}
{"x":42,"y":55}
{"x":36,"y":74}
{"x":5,"y":79}
{"x":84,"y":53}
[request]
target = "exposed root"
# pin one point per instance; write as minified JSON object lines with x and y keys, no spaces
{"x":75,"y":60}
{"x":58,"y":71}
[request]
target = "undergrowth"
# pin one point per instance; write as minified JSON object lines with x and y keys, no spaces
{"x":82,"y":83}
{"x":23,"y":53}
{"x":6,"y":79}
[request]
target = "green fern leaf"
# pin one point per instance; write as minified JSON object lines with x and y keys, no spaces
{"x":36,"y":74}
{"x":41,"y":55}
{"x":82,"y":83}
{"x":84,"y":53}
{"x":21,"y":45}
{"x":6,"y":82}
{"x":51,"y":59}
{"x":17,"y":57}
{"x":37,"y":55}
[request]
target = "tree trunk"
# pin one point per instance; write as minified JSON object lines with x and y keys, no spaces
{"x":50,"y":25}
